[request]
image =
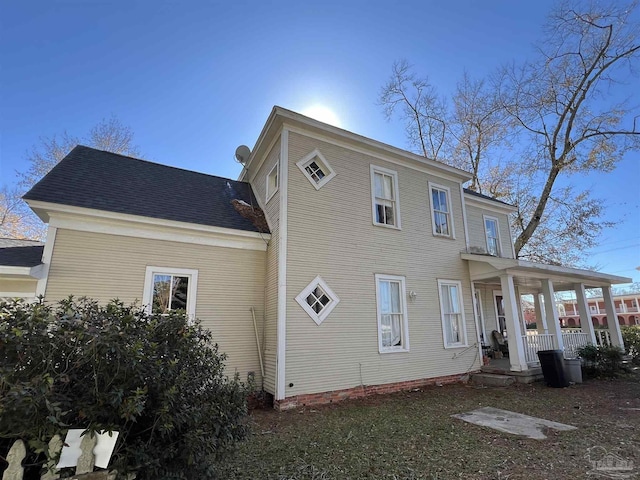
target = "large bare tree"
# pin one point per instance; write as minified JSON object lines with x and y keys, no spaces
{"x":16,"y":219}
{"x":560,"y":113}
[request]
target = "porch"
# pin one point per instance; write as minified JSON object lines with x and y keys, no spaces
{"x":498,"y":287}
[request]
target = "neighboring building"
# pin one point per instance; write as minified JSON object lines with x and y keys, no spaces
{"x":626,"y":308}
{"x":375,"y":270}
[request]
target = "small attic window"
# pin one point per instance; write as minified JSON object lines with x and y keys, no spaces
{"x":273,"y":182}
{"x":316,"y":168}
{"x":318,"y":300}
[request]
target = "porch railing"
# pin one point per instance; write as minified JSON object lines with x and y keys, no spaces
{"x":573,"y":341}
{"x":534,"y":343}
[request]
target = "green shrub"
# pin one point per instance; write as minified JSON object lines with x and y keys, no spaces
{"x":631,"y":337}
{"x":158,"y":380}
{"x":603,"y":360}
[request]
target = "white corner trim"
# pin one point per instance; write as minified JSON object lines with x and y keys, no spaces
{"x":147,"y":294}
{"x":452,"y":233}
{"x":272,"y":192}
{"x":464,"y":217}
{"x":47,"y":255}
{"x":307,"y":159}
{"x":458,"y":283}
{"x":405,"y":320}
{"x":281,"y":351}
{"x":302,"y":300}
{"x":373,"y":169}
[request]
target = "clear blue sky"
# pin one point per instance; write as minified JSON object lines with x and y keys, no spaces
{"x":196,"y":79}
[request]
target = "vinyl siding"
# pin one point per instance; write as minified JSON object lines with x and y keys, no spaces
{"x":272,"y":213}
{"x":477,"y":237}
{"x":331,"y":234}
{"x":230,"y":282}
{"x":27,"y":286}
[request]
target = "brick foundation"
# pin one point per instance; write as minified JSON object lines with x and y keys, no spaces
{"x":363,"y":391}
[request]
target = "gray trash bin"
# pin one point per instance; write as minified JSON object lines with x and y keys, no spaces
{"x":573,"y":369}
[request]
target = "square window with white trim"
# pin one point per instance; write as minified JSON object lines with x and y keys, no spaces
{"x":316,"y":168}
{"x":441,"y":211}
{"x":170,"y":289}
{"x":393,"y":328}
{"x":492,"y":233}
{"x":318,"y":300}
{"x":273,"y":182}
{"x":384,"y":197}
{"x":452,"y":313}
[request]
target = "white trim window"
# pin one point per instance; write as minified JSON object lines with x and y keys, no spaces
{"x":492,"y":233}
{"x":273,"y":182}
{"x":393,"y":325}
{"x":384,"y":197}
{"x":318,"y":300}
{"x":316,"y":168}
{"x":452,"y":313}
{"x":167,"y":289}
{"x":441,"y":220}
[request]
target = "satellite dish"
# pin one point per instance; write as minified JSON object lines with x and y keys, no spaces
{"x":242,"y":154}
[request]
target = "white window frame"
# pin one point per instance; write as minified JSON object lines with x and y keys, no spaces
{"x":486,"y":233}
{"x":404,"y":347}
{"x":396,"y":201}
{"x":447,"y":190}
{"x":324,"y":313}
{"x":269,"y":188}
{"x":147,"y":294}
{"x":322,"y":163}
{"x":458,"y":284}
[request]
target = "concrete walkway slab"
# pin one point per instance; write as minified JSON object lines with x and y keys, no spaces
{"x":511,"y":422}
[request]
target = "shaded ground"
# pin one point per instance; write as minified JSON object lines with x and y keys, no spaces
{"x":412,"y":436}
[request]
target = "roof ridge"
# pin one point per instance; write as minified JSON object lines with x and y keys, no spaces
{"x":159,"y":164}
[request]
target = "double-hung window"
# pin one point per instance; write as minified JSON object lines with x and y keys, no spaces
{"x":393,"y":331}
{"x":452,"y":313}
{"x":384,"y":189}
{"x":441,"y":211}
{"x":167,"y":289}
{"x":273,"y":182}
{"x":492,"y":234}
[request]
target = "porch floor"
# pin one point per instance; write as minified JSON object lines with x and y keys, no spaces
{"x":502,"y":366}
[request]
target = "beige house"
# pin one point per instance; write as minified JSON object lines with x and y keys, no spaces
{"x":372,"y":270}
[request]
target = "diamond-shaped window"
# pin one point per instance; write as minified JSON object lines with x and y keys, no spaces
{"x":316,"y":168}
{"x":318,"y":300}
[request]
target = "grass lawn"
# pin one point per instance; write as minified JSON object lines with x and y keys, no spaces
{"x":412,"y":436}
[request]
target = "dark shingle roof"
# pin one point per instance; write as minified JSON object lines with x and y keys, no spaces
{"x":101,"y":180}
{"x":486,"y":197}
{"x":21,"y":256}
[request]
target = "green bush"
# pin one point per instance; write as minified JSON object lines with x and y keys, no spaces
{"x":605,"y":360}
{"x":631,"y":337}
{"x":158,"y":380}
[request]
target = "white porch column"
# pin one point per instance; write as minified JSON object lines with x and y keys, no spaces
{"x":551,"y":310}
{"x":541,"y":320}
{"x":516,"y":348}
{"x":586,"y":324}
{"x":612,"y":318}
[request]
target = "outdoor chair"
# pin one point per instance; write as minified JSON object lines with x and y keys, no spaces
{"x":501,"y":344}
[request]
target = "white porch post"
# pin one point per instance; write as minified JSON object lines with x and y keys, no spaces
{"x":586,"y":324}
{"x":551,"y":311}
{"x":541,"y":320}
{"x":612,"y":318}
{"x":516,"y":348}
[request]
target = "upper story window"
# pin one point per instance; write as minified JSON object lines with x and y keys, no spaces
{"x":384,"y":192}
{"x":167,"y":289}
{"x":441,"y":211}
{"x":318,"y":300}
{"x":273,"y":182}
{"x":453,"y":322}
{"x":316,"y":168}
{"x":393,"y":330}
{"x":492,"y":234}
